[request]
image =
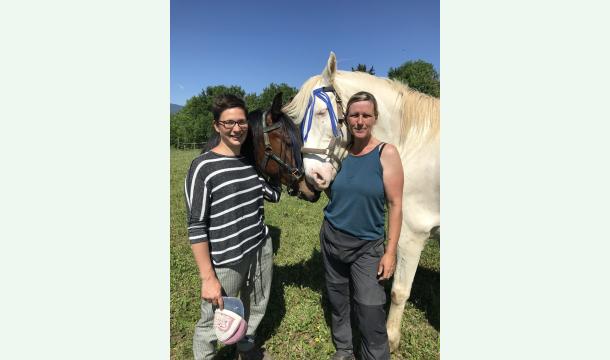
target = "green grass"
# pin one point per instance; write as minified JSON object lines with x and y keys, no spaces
{"x":297,"y":324}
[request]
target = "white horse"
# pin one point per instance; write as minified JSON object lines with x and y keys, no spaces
{"x":409,"y":120}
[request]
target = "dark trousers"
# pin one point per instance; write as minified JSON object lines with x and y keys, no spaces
{"x":350,"y":266}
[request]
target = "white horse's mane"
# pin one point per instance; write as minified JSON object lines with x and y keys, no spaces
{"x":419,"y":113}
{"x":295,"y":109}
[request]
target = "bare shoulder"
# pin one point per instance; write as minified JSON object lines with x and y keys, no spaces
{"x":390,"y":159}
{"x":390,"y":154}
{"x":389,"y":151}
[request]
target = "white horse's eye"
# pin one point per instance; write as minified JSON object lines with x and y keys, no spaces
{"x":321,"y":112}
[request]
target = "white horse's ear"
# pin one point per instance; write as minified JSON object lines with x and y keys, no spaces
{"x":328,"y":74}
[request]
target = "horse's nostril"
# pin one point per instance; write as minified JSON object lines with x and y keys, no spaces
{"x":318,"y":177}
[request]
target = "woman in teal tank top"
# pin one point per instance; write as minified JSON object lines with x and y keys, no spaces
{"x":352,"y":234}
{"x":359,"y":185}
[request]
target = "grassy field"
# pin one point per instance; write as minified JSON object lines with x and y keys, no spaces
{"x":296,"y":325}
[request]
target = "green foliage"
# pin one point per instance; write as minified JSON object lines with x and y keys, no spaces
{"x":193,"y":123}
{"x":297,"y":322}
{"x":362,"y":67}
{"x":264,"y":100}
{"x":187,"y":128}
{"x":251,"y":101}
{"x":419,"y":75}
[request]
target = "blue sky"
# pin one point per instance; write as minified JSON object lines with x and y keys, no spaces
{"x":255,"y":43}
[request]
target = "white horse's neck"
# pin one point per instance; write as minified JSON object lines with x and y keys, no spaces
{"x":395,"y":124}
{"x":349,"y":83}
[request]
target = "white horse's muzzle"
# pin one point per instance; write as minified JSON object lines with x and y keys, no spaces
{"x":319,"y":174}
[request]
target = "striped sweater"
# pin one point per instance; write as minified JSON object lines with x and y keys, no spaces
{"x":224,"y":201}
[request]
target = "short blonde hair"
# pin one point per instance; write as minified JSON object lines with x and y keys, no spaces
{"x":363,"y":96}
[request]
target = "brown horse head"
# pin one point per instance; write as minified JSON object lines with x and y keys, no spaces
{"x":276,"y":144}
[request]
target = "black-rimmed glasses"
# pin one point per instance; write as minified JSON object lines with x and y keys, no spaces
{"x":229,"y":124}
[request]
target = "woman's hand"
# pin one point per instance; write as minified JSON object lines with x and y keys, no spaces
{"x":386,"y":266}
{"x":211,"y":291}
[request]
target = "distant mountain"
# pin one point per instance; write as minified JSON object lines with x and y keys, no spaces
{"x":174,"y":108}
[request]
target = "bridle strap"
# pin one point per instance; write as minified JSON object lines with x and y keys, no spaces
{"x":339,"y":102}
{"x":295,"y":173}
{"x":335,"y":122}
{"x":329,"y":152}
{"x":267,"y":129}
{"x":337,"y":132}
{"x":326,"y":151}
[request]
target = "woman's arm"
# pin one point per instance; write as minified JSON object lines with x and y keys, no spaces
{"x":197,"y":194}
{"x":211,"y":290}
{"x":271,"y":192}
{"x":393,"y":178}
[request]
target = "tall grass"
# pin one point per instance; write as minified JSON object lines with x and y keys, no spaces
{"x":297,"y":322}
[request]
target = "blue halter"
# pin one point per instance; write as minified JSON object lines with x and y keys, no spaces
{"x":308,"y":118}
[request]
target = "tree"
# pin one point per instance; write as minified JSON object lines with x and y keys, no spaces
{"x":193,"y":124}
{"x":418,"y":75}
{"x":362,"y":67}
{"x":264,"y":100}
{"x":251,"y":101}
{"x":202,"y":103}
{"x":184,"y":129}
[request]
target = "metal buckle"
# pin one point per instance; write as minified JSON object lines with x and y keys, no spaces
{"x":296,"y":173}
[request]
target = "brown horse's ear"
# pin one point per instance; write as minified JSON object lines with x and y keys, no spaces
{"x":276,"y":107}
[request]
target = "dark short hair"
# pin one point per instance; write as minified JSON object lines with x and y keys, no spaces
{"x":363,"y":96}
{"x":227,"y":101}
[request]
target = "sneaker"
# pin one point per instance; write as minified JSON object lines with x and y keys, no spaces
{"x":342,"y":355}
{"x":254,"y":354}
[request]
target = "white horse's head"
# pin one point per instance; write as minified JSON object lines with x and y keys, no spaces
{"x":325,"y":136}
{"x":408,"y":119}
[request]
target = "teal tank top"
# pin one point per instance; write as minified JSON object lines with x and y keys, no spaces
{"x":357,"y":197}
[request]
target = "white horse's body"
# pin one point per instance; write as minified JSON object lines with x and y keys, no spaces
{"x":410,"y":121}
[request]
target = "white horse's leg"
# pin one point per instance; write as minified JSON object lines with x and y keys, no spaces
{"x":410,"y":246}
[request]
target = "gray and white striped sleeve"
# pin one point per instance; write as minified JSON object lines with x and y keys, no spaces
{"x":271,"y":193}
{"x":197,"y":194}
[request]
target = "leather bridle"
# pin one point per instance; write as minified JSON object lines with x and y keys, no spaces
{"x":294,"y":173}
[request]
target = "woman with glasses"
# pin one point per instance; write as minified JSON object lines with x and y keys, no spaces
{"x":226,"y":229}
